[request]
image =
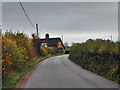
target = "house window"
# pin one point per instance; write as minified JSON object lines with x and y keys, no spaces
{"x":44,"y":45}
{"x":59,"y":44}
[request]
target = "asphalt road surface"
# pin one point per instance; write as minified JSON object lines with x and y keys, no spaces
{"x":60,"y":72}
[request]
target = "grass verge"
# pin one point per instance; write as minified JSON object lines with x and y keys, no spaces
{"x":16,"y":77}
{"x":68,"y":48}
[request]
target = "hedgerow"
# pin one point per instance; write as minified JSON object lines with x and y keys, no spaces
{"x":43,"y":51}
{"x":17,"y":51}
{"x":52,"y":50}
{"x":99,"y":56}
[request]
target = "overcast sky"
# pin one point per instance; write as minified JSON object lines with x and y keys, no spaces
{"x":77,"y":21}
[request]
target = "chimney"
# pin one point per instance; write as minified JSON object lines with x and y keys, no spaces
{"x":47,"y":36}
{"x":33,"y":36}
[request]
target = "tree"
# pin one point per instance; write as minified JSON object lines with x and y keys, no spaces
{"x":66,"y":44}
{"x":73,"y":43}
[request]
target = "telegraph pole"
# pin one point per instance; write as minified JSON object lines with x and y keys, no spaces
{"x":62,"y":37}
{"x":37,"y":29}
{"x":111,"y":37}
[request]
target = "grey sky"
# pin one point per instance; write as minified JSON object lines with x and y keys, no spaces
{"x":61,"y":0}
{"x":77,"y":21}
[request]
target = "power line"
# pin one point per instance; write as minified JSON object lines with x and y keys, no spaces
{"x":28,"y":17}
{"x":26,"y":14}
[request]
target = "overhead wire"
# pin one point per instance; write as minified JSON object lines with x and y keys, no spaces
{"x":28,"y":16}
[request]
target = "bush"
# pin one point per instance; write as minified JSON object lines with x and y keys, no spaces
{"x":52,"y":50}
{"x":43,"y":51}
{"x":100,"y":56}
{"x":17,"y":51}
{"x":22,"y":41}
{"x":13,"y":57}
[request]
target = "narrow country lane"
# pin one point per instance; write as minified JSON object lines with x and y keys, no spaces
{"x":60,"y":72}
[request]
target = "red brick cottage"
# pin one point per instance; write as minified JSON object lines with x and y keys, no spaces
{"x":49,"y":42}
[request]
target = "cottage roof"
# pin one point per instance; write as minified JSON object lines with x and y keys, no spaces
{"x":49,"y":41}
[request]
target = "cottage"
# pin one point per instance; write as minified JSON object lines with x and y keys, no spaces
{"x":49,"y":42}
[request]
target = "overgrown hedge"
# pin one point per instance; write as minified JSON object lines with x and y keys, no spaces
{"x":18,"y":51}
{"x":52,"y":50}
{"x":99,"y":56}
{"x":43,"y":51}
